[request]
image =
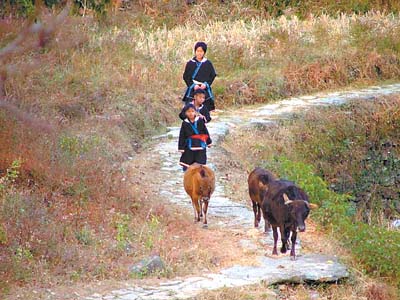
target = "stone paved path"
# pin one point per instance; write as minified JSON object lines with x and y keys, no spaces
{"x":228,"y":214}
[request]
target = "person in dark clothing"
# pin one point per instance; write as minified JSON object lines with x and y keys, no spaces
{"x":199,"y":74}
{"x":193,"y":139}
{"x":201,"y":109}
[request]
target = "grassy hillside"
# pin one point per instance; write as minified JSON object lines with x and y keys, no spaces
{"x":82,"y":99}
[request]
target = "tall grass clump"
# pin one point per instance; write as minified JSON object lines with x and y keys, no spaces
{"x":132,"y":70}
{"x":355,"y":149}
{"x":265,"y":59}
{"x":56,"y":194}
{"x":302,"y":9}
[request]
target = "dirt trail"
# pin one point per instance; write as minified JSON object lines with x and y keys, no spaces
{"x":226,"y":214}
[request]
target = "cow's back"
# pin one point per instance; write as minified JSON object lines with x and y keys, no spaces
{"x":273,"y":205}
{"x":257,"y":176}
{"x":196,"y":175}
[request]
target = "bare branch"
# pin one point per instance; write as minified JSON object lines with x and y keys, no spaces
{"x":25,"y":118}
{"x":19,"y":44}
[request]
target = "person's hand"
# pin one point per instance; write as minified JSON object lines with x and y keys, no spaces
{"x":196,"y":87}
{"x":209,"y":145}
{"x":201,"y":116}
{"x":181,"y":151}
{"x":203,"y":86}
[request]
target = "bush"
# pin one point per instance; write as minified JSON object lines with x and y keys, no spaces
{"x":375,"y":248}
{"x":275,"y":8}
{"x":303,"y":8}
{"x":27,"y":7}
{"x":353,"y":147}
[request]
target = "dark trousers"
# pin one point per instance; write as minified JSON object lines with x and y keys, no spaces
{"x":189,"y":157}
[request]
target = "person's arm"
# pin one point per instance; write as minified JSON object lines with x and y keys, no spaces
{"x":212,"y":73}
{"x":187,"y":74}
{"x":205,"y":131}
{"x":204,"y":112}
{"x":182,"y":139}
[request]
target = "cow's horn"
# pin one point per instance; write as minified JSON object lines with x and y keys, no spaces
{"x":287,"y":200}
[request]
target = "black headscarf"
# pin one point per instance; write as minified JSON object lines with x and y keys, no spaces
{"x":202,"y":45}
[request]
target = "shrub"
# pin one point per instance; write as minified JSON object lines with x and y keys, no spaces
{"x":375,"y":248}
{"x":279,"y":7}
{"x":26,"y":8}
{"x":353,"y":148}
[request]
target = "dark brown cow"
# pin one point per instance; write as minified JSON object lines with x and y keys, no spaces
{"x":286,"y":206}
{"x":199,"y":184}
{"x":258,"y":181}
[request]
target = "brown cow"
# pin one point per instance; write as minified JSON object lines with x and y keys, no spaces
{"x":258,"y":181}
{"x":285,"y":214}
{"x":199,"y":183}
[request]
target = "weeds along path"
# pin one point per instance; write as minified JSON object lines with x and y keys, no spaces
{"x":227,"y":214}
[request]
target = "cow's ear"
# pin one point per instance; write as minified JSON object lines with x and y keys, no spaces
{"x":261,"y":185}
{"x":265,"y":179}
{"x":311,"y":205}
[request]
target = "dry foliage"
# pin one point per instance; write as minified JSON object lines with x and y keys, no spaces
{"x":322,"y":75}
{"x":78,"y":98}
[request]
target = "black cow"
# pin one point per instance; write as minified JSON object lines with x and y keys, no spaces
{"x":285,"y":206}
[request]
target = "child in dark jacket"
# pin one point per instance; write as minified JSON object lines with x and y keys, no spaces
{"x":201,"y":109}
{"x":193,"y":139}
{"x":199,"y":74}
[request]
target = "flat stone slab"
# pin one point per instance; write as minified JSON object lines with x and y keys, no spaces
{"x":307,"y":268}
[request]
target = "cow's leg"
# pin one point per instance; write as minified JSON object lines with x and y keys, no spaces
{"x":292,"y":252}
{"x":196,"y":207}
{"x":255,"y":213}
{"x":283,"y":239}
{"x":201,"y":207}
{"x":205,"y":207}
{"x":287,"y":232}
{"x":275,"y":233}
{"x":267,"y":226}
{"x":258,"y":213}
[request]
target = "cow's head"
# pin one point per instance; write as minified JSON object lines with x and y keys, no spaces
{"x":298,"y":211}
{"x":205,"y":191}
{"x":205,"y":187}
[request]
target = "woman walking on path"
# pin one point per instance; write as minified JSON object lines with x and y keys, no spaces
{"x":199,"y":74}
